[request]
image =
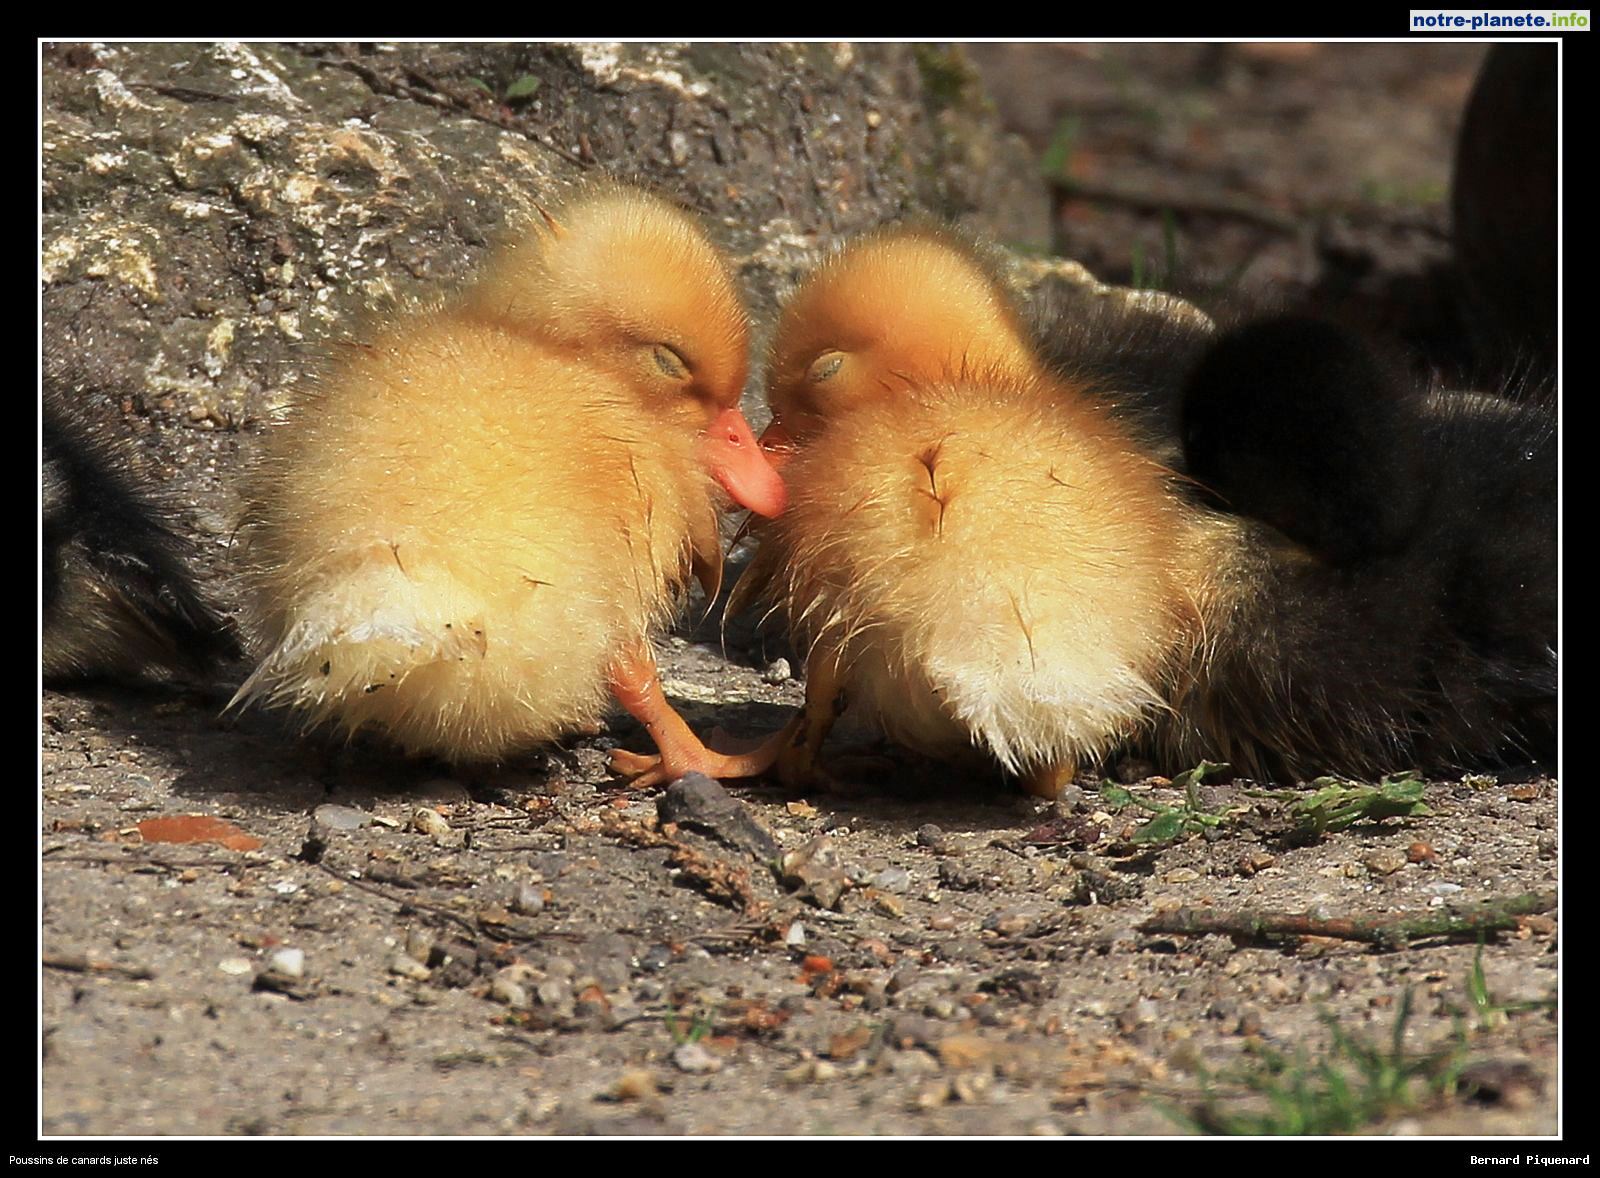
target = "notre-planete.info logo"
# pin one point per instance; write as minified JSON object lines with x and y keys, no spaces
{"x":1433,"y":20}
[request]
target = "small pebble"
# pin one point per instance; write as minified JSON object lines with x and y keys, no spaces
{"x":1384,"y":862}
{"x":529,"y":900}
{"x":234,"y":965}
{"x":912,"y":1062}
{"x":941,"y":1008}
{"x":811,"y":1071}
{"x":796,"y":936}
{"x":695,"y":1059}
{"x":503,"y":989}
{"x":971,"y":1087}
{"x":635,"y":1084}
{"x":407,"y":966}
{"x":1254,"y":861}
{"x":892,"y":879}
{"x":288,"y":963}
{"x":428,"y":821}
{"x":778,"y":671}
{"x":341,"y":817}
{"x":419,"y":944}
{"x":555,"y":993}
{"x":1421,"y":853}
{"x":660,"y":956}
{"x":1008,"y":924}
{"x":814,"y":869}
{"x":1071,"y":800}
{"x":889,"y":905}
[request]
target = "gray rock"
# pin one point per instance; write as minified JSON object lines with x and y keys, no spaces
{"x":698,"y":802}
{"x":341,"y":817}
{"x":893,"y":879}
{"x":813,"y":868}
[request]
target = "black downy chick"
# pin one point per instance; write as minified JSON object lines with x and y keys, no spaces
{"x":1375,"y":562}
{"x":119,"y":600}
{"x":1293,"y":421}
{"x":1410,"y":620}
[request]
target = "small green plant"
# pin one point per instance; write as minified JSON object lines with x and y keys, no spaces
{"x":1338,"y":804}
{"x":523,"y":88}
{"x":1356,"y":1084}
{"x":698,"y":1029}
{"x":1169,"y":248}
{"x":1057,"y":159}
{"x":1491,"y":1014}
{"x":1155,"y":279}
{"x":1170,"y":822}
{"x":1401,"y":194}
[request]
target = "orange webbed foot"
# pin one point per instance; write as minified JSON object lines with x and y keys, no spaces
{"x":640,"y":770}
{"x":638,"y":689}
{"x":644,"y":770}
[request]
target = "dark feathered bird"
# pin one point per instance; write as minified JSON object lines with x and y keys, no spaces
{"x":119,"y":599}
{"x":1386,"y":597}
{"x":1295,"y":421}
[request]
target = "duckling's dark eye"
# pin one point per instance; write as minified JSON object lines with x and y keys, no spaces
{"x":672,"y":365}
{"x":824,"y":367}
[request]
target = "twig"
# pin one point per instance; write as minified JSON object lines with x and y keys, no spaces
{"x":1491,"y":916}
{"x":81,"y":963}
{"x":1154,"y":202}
{"x":134,"y":861}
{"x":1241,"y":209}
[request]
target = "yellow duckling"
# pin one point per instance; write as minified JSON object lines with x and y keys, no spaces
{"x":471,"y":525}
{"x":974,"y":553}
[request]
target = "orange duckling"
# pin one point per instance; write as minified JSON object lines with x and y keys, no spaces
{"x":468,"y":528}
{"x":975,"y":553}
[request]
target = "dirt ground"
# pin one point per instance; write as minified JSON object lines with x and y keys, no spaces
{"x":393,"y":950}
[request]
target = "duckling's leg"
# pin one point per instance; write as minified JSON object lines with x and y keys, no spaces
{"x":799,"y":757}
{"x":1050,"y":779}
{"x":637,"y":686}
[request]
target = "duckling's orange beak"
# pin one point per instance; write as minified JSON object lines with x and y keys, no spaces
{"x":737,"y":461}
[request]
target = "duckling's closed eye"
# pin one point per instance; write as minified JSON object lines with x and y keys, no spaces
{"x":825,"y":367}
{"x":672,"y":365}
